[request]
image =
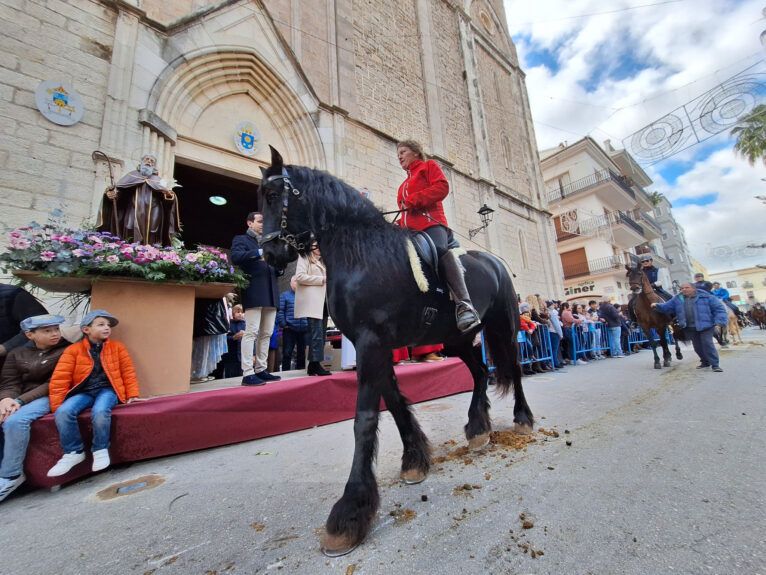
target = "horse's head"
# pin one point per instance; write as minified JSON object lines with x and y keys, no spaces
{"x":635,"y":278}
{"x":286,"y":229}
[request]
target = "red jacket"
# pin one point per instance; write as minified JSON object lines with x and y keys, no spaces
{"x":527,"y":325}
{"x":422,"y":194}
{"x":76,"y":364}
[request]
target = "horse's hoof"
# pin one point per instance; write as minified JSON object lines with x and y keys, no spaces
{"x":657,"y":366}
{"x":479,"y":441}
{"x":337,"y":545}
{"x":679,"y":356}
{"x":413,"y":476}
{"x":666,"y":364}
{"x":522,"y":428}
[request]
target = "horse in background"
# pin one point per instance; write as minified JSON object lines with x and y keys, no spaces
{"x":732,"y":327}
{"x":650,"y":319}
{"x":382,"y":297}
{"x":758,"y":314}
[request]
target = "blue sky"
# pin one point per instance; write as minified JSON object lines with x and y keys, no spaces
{"x":607,"y":70}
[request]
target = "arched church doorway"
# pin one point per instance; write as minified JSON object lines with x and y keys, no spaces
{"x":213,"y":207}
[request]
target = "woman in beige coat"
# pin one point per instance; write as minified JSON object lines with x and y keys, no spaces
{"x":311,"y":277}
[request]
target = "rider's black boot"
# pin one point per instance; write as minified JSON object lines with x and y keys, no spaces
{"x":467,"y":317}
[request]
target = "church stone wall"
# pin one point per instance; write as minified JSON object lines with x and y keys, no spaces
{"x":46,"y":166}
{"x":362,"y":74}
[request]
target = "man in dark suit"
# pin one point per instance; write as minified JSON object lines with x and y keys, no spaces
{"x":260,"y":300}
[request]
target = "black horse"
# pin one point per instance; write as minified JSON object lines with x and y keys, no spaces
{"x":379,"y":299}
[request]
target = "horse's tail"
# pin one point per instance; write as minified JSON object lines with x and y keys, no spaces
{"x":501,"y":326}
{"x":679,"y":333}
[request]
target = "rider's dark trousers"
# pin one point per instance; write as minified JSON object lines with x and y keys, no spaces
{"x":703,"y":345}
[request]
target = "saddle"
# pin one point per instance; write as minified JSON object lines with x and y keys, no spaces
{"x":426,"y":250}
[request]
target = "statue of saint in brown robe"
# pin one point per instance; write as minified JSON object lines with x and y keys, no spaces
{"x":141,"y":207}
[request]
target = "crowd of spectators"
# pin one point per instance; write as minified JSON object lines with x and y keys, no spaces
{"x":557,"y":322}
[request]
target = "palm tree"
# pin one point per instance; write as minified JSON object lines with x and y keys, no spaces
{"x":751,"y":135}
{"x":656,"y":197}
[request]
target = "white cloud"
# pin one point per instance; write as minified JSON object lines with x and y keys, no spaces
{"x":687,"y":48}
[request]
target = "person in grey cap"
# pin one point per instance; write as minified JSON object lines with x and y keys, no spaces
{"x":15,"y":305}
{"x":96,"y":372}
{"x":24,"y":393}
{"x":651,"y":272}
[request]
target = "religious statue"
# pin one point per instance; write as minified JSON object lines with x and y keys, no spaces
{"x":141,"y":207}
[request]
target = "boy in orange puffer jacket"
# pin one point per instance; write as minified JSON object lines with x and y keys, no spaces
{"x":96,"y":372}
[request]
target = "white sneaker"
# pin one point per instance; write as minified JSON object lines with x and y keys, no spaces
{"x":100,"y":459}
{"x":8,"y":486}
{"x":67,"y":462}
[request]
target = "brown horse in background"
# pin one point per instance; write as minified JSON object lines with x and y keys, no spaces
{"x":758,"y":313}
{"x":650,"y":319}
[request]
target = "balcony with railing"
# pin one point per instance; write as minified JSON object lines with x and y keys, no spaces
{"x":560,"y":192}
{"x":651,"y":228}
{"x":626,"y":232}
{"x":595,"y":266}
{"x":588,"y":227}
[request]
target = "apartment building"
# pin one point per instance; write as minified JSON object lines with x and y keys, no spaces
{"x":746,"y":286}
{"x":601,"y":217}
{"x":680,"y":266}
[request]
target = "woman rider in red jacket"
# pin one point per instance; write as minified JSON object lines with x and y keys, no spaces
{"x":421,"y":195}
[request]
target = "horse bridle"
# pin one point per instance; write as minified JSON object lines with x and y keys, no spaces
{"x":297,"y":241}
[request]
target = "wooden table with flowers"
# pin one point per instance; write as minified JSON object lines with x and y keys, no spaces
{"x":150,"y":289}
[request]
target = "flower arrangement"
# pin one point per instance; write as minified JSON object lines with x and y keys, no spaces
{"x":57,"y":251}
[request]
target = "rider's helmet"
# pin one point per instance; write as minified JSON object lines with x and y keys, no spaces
{"x":646,"y":258}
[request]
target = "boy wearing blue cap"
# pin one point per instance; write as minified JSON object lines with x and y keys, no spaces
{"x":96,"y":372}
{"x":24,"y":393}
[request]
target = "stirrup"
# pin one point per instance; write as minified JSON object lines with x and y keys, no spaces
{"x":467,"y":317}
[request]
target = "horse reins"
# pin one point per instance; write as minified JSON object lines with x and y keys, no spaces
{"x":297,"y":241}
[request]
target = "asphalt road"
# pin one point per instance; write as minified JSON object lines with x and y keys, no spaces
{"x":664,"y":474}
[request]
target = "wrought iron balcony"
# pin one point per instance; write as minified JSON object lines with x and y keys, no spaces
{"x":557,"y":193}
{"x":595,"y":266}
{"x":620,"y":217}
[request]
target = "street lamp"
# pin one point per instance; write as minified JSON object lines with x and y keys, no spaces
{"x":485,"y":212}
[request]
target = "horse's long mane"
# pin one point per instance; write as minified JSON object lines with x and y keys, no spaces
{"x":339,"y":212}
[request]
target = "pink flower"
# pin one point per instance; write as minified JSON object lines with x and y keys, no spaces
{"x":94,"y":239}
{"x":47,"y":256}
{"x":20,"y":243}
{"x":15,"y":234}
{"x":126,"y":249}
{"x":78,"y":253}
{"x":112,"y":259}
{"x":192,"y":257}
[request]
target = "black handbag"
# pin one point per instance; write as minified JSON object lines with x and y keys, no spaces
{"x":210,"y":317}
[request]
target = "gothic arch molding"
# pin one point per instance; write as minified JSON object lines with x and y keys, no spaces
{"x":194,"y":82}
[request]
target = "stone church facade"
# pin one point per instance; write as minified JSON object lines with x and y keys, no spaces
{"x":332,"y":84}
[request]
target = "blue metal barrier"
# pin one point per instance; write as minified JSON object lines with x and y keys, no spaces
{"x":637,"y":336}
{"x":542,"y":353}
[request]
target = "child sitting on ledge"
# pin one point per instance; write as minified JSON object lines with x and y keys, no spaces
{"x":96,"y":372}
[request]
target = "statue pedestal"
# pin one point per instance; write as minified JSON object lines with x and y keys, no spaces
{"x":156,"y":322}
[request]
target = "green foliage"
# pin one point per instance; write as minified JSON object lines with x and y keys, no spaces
{"x":750,"y":133}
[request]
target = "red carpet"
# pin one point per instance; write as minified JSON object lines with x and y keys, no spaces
{"x":181,"y":423}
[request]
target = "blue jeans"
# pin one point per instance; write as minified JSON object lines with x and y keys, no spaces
{"x":102,"y":402}
{"x":615,"y":345}
{"x":702,"y":341}
{"x":555,"y":341}
{"x":16,"y":435}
